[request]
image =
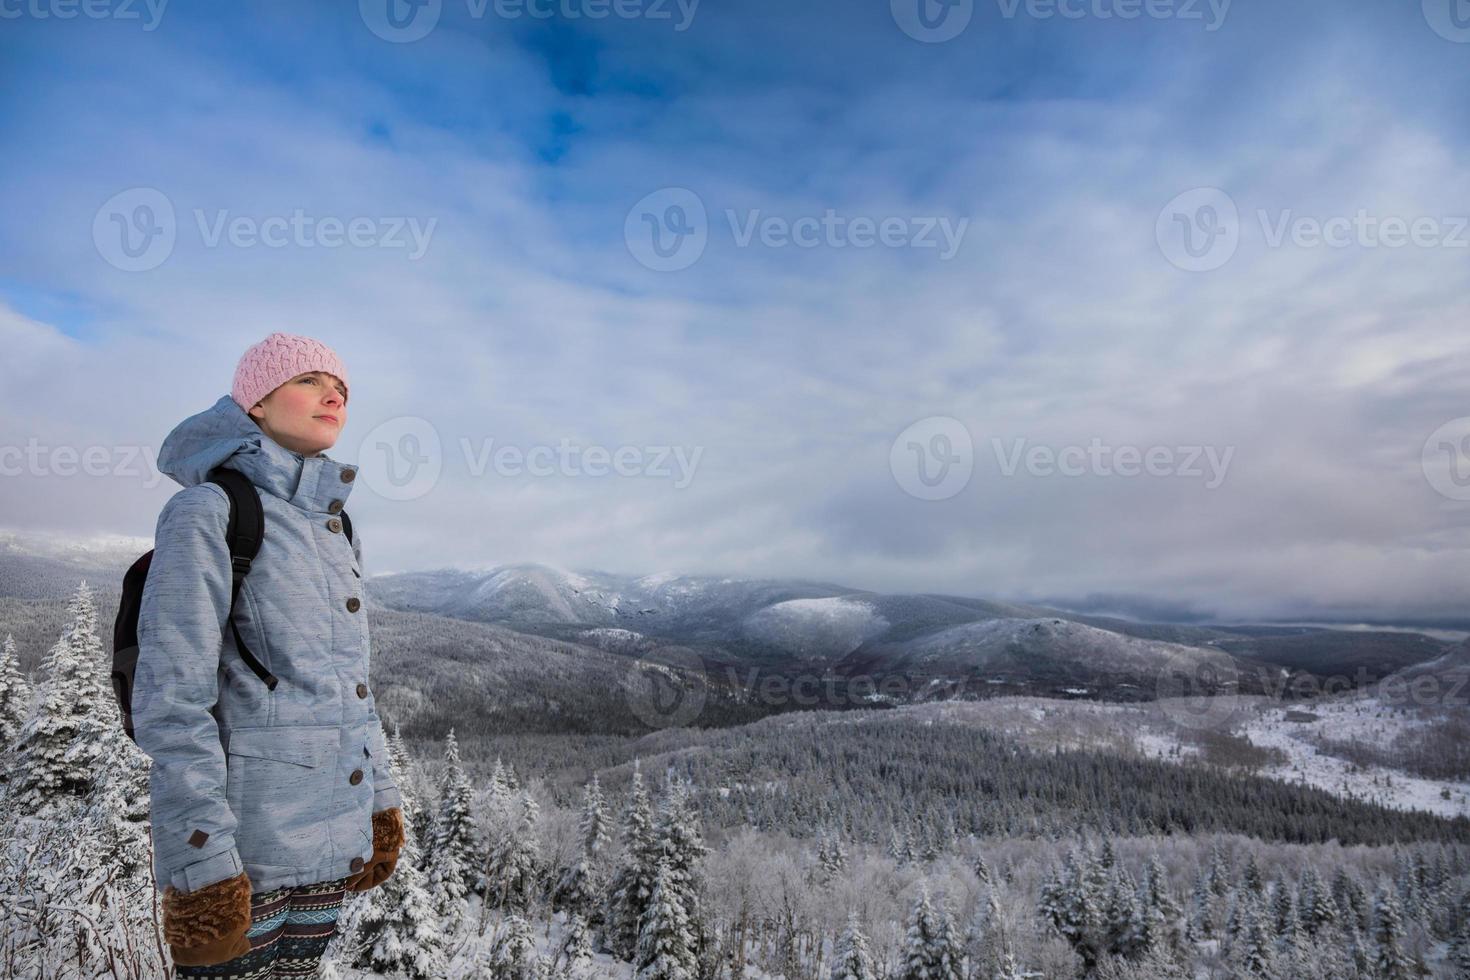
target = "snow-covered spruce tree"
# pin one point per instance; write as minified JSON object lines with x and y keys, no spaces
{"x":1158,"y":912}
{"x":665,"y":948}
{"x":680,"y":842}
{"x":514,"y":868}
{"x":1071,"y":903}
{"x":632,"y":882}
{"x":1124,"y":918}
{"x":1255,"y":955}
{"x":1390,"y":961}
{"x":418,"y":796}
{"x":853,"y":961}
{"x":116,"y":811}
{"x":394,"y":928}
{"x":15,"y":699}
{"x":1252,"y":878}
{"x":455,"y":852}
{"x":513,"y":957}
{"x":930,"y":950}
{"x":1460,"y":947}
{"x":580,"y":881}
{"x":982,"y":870}
{"x":1316,"y":906}
{"x":576,"y":944}
{"x":62,"y":747}
{"x":1284,"y":919}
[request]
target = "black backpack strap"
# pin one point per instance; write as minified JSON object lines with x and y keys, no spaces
{"x":245,"y":532}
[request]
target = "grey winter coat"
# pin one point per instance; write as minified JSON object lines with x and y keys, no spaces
{"x":281,"y":784}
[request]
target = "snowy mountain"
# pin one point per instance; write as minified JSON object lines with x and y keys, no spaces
{"x":960,"y":644}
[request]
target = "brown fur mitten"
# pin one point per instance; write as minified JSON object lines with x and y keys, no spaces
{"x":208,"y":925}
{"x":387,"y":839}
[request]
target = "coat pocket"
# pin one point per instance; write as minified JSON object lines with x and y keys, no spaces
{"x":278,"y":784}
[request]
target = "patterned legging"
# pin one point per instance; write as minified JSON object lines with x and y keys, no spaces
{"x":289,"y":931}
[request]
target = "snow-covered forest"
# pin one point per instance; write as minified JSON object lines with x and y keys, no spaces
{"x":777,"y":849}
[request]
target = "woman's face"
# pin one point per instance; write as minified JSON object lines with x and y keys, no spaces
{"x":305,"y":414}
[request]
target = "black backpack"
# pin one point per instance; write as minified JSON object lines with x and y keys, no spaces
{"x":244,"y":534}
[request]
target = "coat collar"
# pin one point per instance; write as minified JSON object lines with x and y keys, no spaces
{"x":224,"y":434}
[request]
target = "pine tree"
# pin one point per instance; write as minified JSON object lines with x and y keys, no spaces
{"x":854,"y":961}
{"x":679,"y":841}
{"x":15,"y":699}
{"x":1125,"y":928}
{"x":1157,"y":909}
{"x":1252,"y":877}
{"x":579,"y":881}
{"x":396,"y":924}
{"x":1317,"y":907}
{"x":576,"y":943}
{"x":1256,"y":955}
{"x":416,"y":814}
{"x":632,"y":883}
{"x":982,"y":870}
{"x":454,"y":856}
{"x":665,"y":942}
{"x":1390,"y":960}
{"x":514,"y":956}
{"x":931,"y":950}
{"x":514,"y":864}
{"x":62,"y":745}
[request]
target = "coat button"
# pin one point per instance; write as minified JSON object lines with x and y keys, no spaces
{"x":335,"y":507}
{"x":356,"y":864}
{"x":356,"y":777}
{"x":353,"y":603}
{"x":335,"y":526}
{"x":362,"y":690}
{"x":347,"y":475}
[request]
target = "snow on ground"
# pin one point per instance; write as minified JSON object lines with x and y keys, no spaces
{"x":1149,"y":728}
{"x":1358,"y":717}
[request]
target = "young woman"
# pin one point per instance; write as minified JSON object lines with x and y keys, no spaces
{"x":271,"y":797}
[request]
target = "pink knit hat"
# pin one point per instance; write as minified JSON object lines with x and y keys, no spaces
{"x":277,"y":359}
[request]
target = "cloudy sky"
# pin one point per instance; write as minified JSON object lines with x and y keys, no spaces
{"x":1156,"y":308}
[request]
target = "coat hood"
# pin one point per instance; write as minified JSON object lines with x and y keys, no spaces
{"x":224,"y":435}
